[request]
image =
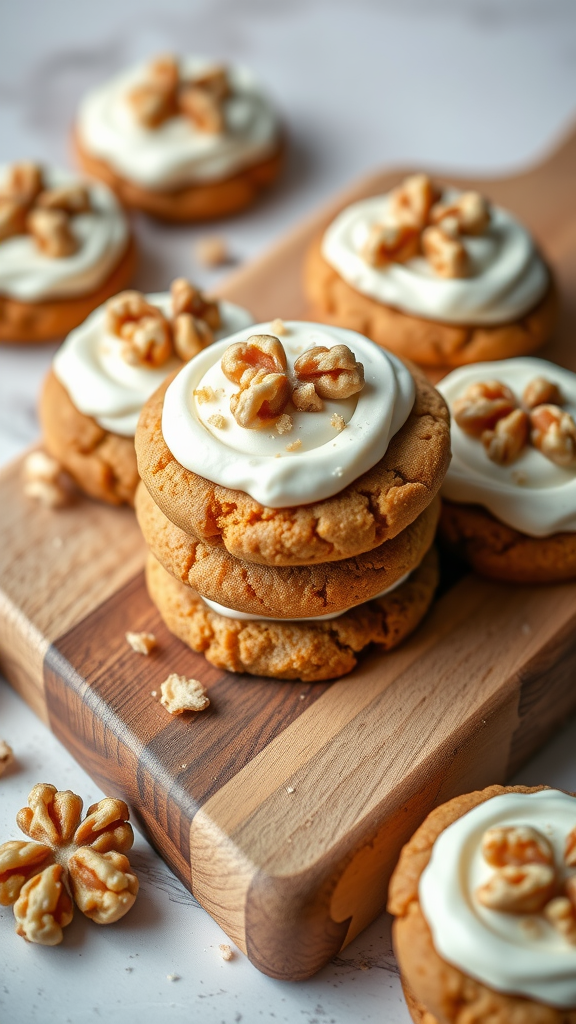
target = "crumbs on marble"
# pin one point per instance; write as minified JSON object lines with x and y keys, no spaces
{"x":225,"y":951}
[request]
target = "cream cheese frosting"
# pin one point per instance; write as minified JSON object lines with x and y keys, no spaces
{"x":26,"y":274}
{"x":103,"y":385}
{"x":493,"y":947}
{"x":507,"y":276}
{"x":177,"y":154}
{"x":256,"y":461}
{"x":533,"y":495}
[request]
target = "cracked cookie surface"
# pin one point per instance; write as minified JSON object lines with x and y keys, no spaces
{"x":102,"y":464}
{"x":427,"y":342}
{"x":502,"y":553}
{"x":292,"y":650}
{"x":373,"y":509}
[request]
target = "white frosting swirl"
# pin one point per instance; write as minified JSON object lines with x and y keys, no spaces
{"x":28,"y":275}
{"x":256,"y":461}
{"x":507,"y":276}
{"x":103,"y":385}
{"x":533,"y":495}
{"x":493,"y":947}
{"x":176,"y":153}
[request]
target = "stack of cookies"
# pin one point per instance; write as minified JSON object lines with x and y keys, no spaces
{"x":289,"y":499}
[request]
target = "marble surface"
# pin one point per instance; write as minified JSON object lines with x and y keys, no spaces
{"x":477,"y":85}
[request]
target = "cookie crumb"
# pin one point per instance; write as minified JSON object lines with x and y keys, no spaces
{"x":225,"y":951}
{"x":519,"y":478}
{"x":180,"y":694}
{"x":337,"y":421}
{"x":142,"y":643}
{"x":6,"y":756}
{"x":284,"y":423}
{"x":172,"y":977}
{"x":278,"y":326}
{"x":294,"y":445}
{"x":290,"y":789}
{"x":203,"y":395}
{"x":153,"y":693}
{"x":217,"y":420}
{"x":212,"y":251}
{"x":302,"y":696}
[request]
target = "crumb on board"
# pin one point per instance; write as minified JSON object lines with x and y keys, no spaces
{"x":142,"y":643}
{"x":290,"y":789}
{"x":180,"y":694}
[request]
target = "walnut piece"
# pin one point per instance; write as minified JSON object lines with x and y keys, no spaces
{"x":217,"y":420}
{"x":306,"y":398}
{"x":471,"y":210}
{"x":225,"y":951}
{"x":191,"y":335}
{"x":72,"y":199}
{"x":390,"y":243}
{"x":284,"y":424}
{"x":553,"y":432}
{"x":507,"y":441}
{"x":143,"y":328}
{"x":103,"y":886}
{"x":142,"y":643}
{"x":412,"y":201}
{"x":337,"y":421}
{"x":164,"y":72}
{"x":540,"y":391}
{"x":516,"y":845}
{"x":19,"y":860}
{"x":261,"y":400}
{"x":481,"y":405}
{"x":216,"y":81}
{"x":22,"y":183}
{"x":570,"y":849}
{"x":188,"y":299}
{"x":244,"y":359}
{"x":278,"y":326}
{"x":6,"y":756}
{"x":52,"y":232}
{"x":180,"y":694}
{"x":52,"y":816}
{"x":294,"y":445}
{"x":12,"y":219}
{"x":202,"y":107}
{"x":518,"y":889}
{"x":561,"y":914}
{"x":335,"y":372}
{"x":444,"y":250}
{"x":203,"y":395}
{"x":153,"y":101}
{"x":44,"y":907}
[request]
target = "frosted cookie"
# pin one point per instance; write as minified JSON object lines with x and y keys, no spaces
{"x":484,"y":897}
{"x":65,"y":247}
{"x":108,"y":367}
{"x":284,"y":592}
{"x":315,"y":479}
{"x":181,"y":139}
{"x":510,"y":491}
{"x":434,"y":274}
{"x":310,"y":651}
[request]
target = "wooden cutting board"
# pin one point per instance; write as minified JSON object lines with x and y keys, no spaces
{"x":284,"y":806}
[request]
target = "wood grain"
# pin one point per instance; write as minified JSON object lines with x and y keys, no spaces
{"x":283,"y":807}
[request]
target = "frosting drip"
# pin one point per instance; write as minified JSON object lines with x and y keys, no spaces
{"x":494,"y":947}
{"x":176,"y":154}
{"x":103,"y":385}
{"x":533,"y":495}
{"x":507,"y":276}
{"x":28,"y":275}
{"x":256,"y":461}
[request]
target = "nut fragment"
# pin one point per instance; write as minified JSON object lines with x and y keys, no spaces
{"x":225,"y":951}
{"x":294,"y":445}
{"x":470,"y":209}
{"x":278,"y":326}
{"x":445,"y":252}
{"x":481,"y":406}
{"x":306,"y":398}
{"x":205,"y":394}
{"x":216,"y":81}
{"x":164,"y":72}
{"x":145,"y":331}
{"x":507,"y":441}
{"x":411,"y":202}
{"x":188,"y":299}
{"x":50,"y":495}
{"x":561,"y":913}
{"x":337,"y":421}
{"x":150,"y":105}
{"x":540,"y":391}
{"x":104,"y":888}
{"x":217,"y":420}
{"x":22,"y":183}
{"x":570,"y":849}
{"x":52,"y":232}
{"x":191,"y":335}
{"x":12,"y":219}
{"x":20,"y":860}
{"x":516,"y":845}
{"x":387,"y":243}
{"x":554,"y":434}
{"x":203,"y":108}
{"x":44,"y":907}
{"x":39,"y":465}
{"x":335,"y":372}
{"x":262,"y":399}
{"x":106,"y":827}
{"x":73,"y":199}
{"x":180,"y":694}
{"x":523,"y":889}
{"x":244,"y":359}
{"x":284,"y":424}
{"x":142,"y":643}
{"x":6,"y":756}
{"x":52,"y":815}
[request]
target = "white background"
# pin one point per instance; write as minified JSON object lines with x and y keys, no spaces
{"x":459,"y":84}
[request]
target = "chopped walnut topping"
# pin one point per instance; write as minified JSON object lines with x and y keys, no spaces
{"x":225,"y":951}
{"x":541,"y":392}
{"x":306,"y":398}
{"x":142,"y":643}
{"x":72,"y":199}
{"x":337,"y":421}
{"x":262,"y":399}
{"x":150,"y":105}
{"x":335,"y":372}
{"x":278,"y":326}
{"x":387,"y":243}
{"x":180,"y":694}
{"x":212,"y":251}
{"x":507,"y":441}
{"x":481,"y":406}
{"x":294,"y":445}
{"x":217,"y":420}
{"x":164,"y":72}
{"x":22,"y":183}
{"x":203,"y":108}
{"x":284,"y":424}
{"x":516,"y":845}
{"x":6,"y":758}
{"x":244,"y":359}
{"x":553,"y":432}
{"x":12,"y":219}
{"x":191,"y":335}
{"x":518,"y":889}
{"x":205,"y":394}
{"x":561,"y":914}
{"x":145,"y":331}
{"x":570,"y":849}
{"x":188,"y":299}
{"x":445,"y":252}
{"x":411,"y":202}
{"x":51,"y":232}
{"x":471,"y":210}
{"x":216,"y":81}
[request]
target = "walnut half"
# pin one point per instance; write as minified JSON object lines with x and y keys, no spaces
{"x":335,"y":372}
